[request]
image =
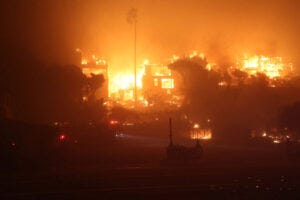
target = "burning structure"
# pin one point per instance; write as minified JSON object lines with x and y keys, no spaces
{"x":158,"y":82}
{"x":94,"y":66}
{"x":199,"y":133}
{"x":153,"y":81}
{"x":272,"y":67}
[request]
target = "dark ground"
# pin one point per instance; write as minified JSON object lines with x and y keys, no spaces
{"x":132,"y":168}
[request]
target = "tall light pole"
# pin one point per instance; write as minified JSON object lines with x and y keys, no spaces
{"x":132,"y":19}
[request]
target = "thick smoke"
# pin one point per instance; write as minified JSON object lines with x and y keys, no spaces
{"x":52,"y":29}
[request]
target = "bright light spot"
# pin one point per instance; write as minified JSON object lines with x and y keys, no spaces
{"x":119,"y":135}
{"x":208,"y":67}
{"x":276,"y":141}
{"x":196,"y":126}
{"x":222,"y":83}
{"x":62,"y":137}
{"x":264,"y":134}
{"x":113,"y":122}
{"x":146,"y":62}
{"x":84,"y":98}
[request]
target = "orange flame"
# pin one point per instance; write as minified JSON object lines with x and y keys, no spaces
{"x":271,"y":66}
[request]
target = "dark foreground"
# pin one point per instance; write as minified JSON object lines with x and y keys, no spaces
{"x":133,"y":170}
{"x":156,"y":183}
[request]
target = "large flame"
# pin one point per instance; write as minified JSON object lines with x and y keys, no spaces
{"x":125,"y":80}
{"x":271,"y":66}
{"x":122,"y":82}
{"x":119,"y":81}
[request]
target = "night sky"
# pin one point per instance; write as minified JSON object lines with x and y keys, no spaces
{"x":52,"y":29}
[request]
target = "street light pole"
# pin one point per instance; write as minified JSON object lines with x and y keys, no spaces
{"x":132,"y":19}
{"x":135,"y":79}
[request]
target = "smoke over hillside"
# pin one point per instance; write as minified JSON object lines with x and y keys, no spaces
{"x":221,"y":29}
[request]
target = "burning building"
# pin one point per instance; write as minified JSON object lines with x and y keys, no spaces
{"x":273,"y":67}
{"x":160,"y":85}
{"x":157,"y":78}
{"x":96,"y":66}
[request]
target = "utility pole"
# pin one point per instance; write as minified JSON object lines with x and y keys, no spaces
{"x":132,"y":19}
{"x":135,"y":79}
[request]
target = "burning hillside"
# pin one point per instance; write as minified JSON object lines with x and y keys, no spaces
{"x":158,"y":79}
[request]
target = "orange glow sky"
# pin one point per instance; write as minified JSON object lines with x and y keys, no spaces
{"x":221,"y":29}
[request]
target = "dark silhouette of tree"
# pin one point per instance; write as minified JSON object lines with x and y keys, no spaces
{"x":198,"y":85}
{"x":93,"y":83}
{"x":43,"y":93}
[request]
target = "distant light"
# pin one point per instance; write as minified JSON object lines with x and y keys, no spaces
{"x":276,"y":141}
{"x":128,"y":124}
{"x":222,"y":83}
{"x":84,"y":98}
{"x":264,"y":134}
{"x":113,"y":122}
{"x":119,"y":135}
{"x":196,"y":126}
{"x":62,"y":137}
